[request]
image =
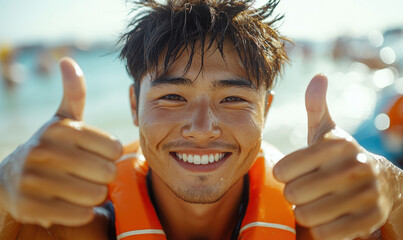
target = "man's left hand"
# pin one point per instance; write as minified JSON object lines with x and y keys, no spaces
{"x":340,"y":191}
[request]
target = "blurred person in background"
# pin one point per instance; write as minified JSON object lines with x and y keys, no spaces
{"x":48,"y":57}
{"x":7,"y":65}
{"x":203,"y":73}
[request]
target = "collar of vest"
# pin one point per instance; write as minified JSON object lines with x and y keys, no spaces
{"x":268,"y":215}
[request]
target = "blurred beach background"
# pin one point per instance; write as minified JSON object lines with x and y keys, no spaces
{"x":358,"y":44}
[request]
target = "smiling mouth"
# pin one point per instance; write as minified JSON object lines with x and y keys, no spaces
{"x":200,"y":159}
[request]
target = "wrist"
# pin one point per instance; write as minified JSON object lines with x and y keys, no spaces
{"x":391,"y":177}
{"x":396,"y":183}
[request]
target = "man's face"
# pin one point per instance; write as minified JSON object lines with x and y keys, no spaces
{"x":200,"y":132}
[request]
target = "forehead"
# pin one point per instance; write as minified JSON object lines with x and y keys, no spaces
{"x":210,"y":64}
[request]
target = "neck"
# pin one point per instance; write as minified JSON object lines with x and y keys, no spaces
{"x":182,"y":220}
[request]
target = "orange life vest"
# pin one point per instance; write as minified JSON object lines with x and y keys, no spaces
{"x":268,"y":215}
{"x":395,"y":113}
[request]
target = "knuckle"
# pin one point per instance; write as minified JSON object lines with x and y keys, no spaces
{"x":348,"y":146}
{"x":75,"y":217}
{"x":100,"y":194}
{"x":365,"y":168}
{"x":15,"y":212}
{"x":377,"y":214}
{"x":52,"y":128}
{"x":368,"y":234}
{"x":37,"y":152}
{"x":87,"y":216}
{"x":336,"y":142}
{"x":363,"y":234}
{"x":357,"y":172}
{"x":373,"y":191}
{"x":17,"y":216}
{"x":302,"y":217}
{"x":318,"y":233}
{"x":111,"y":172}
{"x":117,"y":148}
{"x":68,"y":123}
{"x":27,"y":180}
{"x":278,"y":172}
{"x":58,"y":129}
{"x":341,"y":145}
{"x":22,"y":206}
{"x":83,"y":216}
{"x":289,"y":193}
{"x":45,"y":223}
{"x":40,"y":155}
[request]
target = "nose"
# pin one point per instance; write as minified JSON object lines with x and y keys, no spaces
{"x":202,"y":124}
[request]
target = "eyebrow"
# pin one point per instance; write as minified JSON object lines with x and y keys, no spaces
{"x":224,"y":83}
{"x":161,"y":81}
{"x":239,"y":83}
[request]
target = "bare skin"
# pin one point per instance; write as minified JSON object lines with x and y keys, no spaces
{"x":59,"y":175}
{"x":339,"y":189}
{"x":326,"y":173}
{"x":215,"y":111}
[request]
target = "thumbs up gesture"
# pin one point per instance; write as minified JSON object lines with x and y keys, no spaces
{"x":340,"y":191}
{"x":62,"y":172}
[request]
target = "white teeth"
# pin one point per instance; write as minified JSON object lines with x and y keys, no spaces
{"x":190,"y":158}
{"x":196,"y":159}
{"x":211,"y":158}
{"x":204,"y":159}
{"x":200,"y":159}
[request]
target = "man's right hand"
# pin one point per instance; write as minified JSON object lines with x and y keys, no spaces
{"x":62,"y":172}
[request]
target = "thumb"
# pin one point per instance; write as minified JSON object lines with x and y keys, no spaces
{"x":74,"y":90}
{"x":319,"y":120}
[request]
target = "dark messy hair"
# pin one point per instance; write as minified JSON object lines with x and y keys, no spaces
{"x":198,"y":25}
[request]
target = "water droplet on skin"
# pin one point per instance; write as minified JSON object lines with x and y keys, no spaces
{"x":361,"y":157}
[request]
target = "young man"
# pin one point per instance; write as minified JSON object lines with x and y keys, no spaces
{"x":203,"y":71}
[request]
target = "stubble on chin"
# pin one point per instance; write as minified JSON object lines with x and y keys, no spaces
{"x":200,"y":195}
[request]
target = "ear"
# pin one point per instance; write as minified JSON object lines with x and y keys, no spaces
{"x":269,"y":100}
{"x":133,"y":104}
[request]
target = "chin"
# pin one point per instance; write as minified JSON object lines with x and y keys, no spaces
{"x":199,"y":196}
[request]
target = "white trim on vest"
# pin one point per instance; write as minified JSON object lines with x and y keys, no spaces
{"x":140,"y":232}
{"x":268,"y":225}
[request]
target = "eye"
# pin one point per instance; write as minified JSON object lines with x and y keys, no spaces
{"x":232,"y":99}
{"x":173,"y":97}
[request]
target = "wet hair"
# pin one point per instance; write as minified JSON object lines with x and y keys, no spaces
{"x":198,"y":25}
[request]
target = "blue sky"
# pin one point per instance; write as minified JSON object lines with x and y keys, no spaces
{"x":24,"y":21}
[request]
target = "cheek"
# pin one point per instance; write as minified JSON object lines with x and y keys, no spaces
{"x":247,"y":125}
{"x":156,"y":124}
